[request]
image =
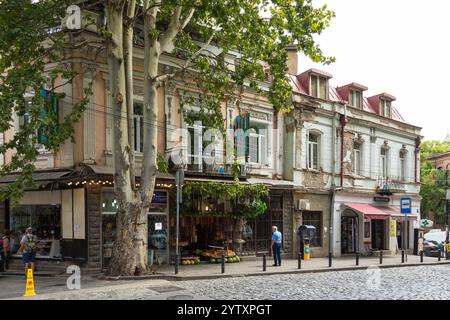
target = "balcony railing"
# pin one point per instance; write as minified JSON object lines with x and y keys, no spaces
{"x":391,"y":184}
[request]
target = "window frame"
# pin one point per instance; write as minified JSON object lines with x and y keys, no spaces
{"x":352,"y":94}
{"x":357,"y":154}
{"x":384,"y":173}
{"x":385,"y":108}
{"x":311,"y":153}
{"x":317,"y":85}
{"x":402,"y":164}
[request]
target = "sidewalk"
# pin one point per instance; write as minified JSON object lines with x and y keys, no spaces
{"x":252,"y":266}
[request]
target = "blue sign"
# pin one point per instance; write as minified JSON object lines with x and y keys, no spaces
{"x":405,"y":205}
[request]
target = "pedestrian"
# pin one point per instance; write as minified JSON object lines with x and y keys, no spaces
{"x":6,"y":248}
{"x":276,"y":246}
{"x":28,"y":248}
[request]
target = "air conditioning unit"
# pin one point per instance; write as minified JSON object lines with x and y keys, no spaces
{"x":303,"y":204}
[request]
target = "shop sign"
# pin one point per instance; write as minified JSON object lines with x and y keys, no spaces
{"x":420,"y":244}
{"x":381,"y":199}
{"x":393,"y":228}
{"x":425,"y":223}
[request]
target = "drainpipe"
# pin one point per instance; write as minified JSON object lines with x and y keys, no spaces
{"x":416,"y":155}
{"x":333,"y":184}
{"x":344,"y":122}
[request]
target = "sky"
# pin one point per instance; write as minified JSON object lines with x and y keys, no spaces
{"x":401,"y":47}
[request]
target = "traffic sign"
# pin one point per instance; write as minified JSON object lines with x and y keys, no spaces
{"x":405,"y":205}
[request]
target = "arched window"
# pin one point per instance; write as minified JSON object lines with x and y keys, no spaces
{"x":402,"y":167}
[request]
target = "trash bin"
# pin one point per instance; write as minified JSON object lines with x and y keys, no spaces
{"x":306,"y":233}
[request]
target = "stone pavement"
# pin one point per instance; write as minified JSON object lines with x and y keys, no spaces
{"x":251,"y":266}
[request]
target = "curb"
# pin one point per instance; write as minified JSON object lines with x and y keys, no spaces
{"x":261,"y":273}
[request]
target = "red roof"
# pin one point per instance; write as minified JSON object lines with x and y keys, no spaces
{"x":299,"y":86}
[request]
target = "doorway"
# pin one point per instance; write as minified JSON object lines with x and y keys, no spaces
{"x":378,"y":234}
{"x":349,"y":233}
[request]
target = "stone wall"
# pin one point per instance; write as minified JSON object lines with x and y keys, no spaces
{"x":94,"y":224}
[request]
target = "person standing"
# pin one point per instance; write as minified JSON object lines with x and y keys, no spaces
{"x":6,"y":247}
{"x":277,"y":238}
{"x":28,"y":248}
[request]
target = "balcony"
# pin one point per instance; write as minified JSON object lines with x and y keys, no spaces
{"x":390,"y":185}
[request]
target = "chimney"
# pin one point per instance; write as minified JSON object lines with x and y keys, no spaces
{"x":292,"y":60}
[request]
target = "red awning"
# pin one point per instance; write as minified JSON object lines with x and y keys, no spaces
{"x":379,"y":213}
{"x":369,"y":211}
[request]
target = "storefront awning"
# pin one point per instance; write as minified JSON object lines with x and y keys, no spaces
{"x":37,"y":176}
{"x":379,"y":213}
{"x":271,"y":182}
{"x":368,"y":211}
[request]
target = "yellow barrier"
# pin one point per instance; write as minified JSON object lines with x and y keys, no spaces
{"x":29,"y":289}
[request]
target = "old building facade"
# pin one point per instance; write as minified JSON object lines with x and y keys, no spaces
{"x":351,"y":159}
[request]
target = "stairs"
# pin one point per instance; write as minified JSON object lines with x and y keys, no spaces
{"x":48,"y":267}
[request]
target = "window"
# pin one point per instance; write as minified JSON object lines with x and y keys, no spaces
{"x":357,"y":158}
{"x":258,"y":144}
{"x":313,"y":151}
{"x":169,"y":100}
{"x":355,"y":99}
{"x":314,"y":218}
{"x":319,"y":87}
{"x":385,"y":108}
{"x":2,"y":156}
{"x":402,"y":167}
{"x":384,"y":163}
{"x":195,"y":146}
{"x":138,"y":122}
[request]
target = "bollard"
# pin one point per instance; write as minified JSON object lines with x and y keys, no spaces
{"x":299,"y":258}
{"x":223,"y":264}
{"x":177,"y":263}
{"x":264,"y":262}
{"x":439,"y":256}
{"x":403,"y":256}
{"x":421,"y":255}
{"x":381,"y":257}
{"x":357,"y":258}
{"x":330,"y":259}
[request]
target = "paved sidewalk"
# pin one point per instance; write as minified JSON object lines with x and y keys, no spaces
{"x":252,"y":266}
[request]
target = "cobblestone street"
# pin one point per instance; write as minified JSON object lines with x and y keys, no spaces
{"x":421,"y":282}
{"x":432,"y":282}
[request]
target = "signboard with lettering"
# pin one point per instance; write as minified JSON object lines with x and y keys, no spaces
{"x":405,"y":205}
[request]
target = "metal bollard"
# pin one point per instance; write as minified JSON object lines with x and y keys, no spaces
{"x":403,"y":256}
{"x":223,"y":264}
{"x":381,"y":257}
{"x":357,"y":258}
{"x":439,"y":256}
{"x":299,"y":258}
{"x":421,"y":255}
{"x":330,"y":259}
{"x":177,"y":263}
{"x":264,"y":262}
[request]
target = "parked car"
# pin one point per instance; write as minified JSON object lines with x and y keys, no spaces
{"x":437,"y":236}
{"x":430,"y":248}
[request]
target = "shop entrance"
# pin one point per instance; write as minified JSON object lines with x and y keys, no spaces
{"x":378,"y":234}
{"x":349,"y":232}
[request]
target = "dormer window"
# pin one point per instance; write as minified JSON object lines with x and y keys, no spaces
{"x":385,"y":108}
{"x":355,"y":98}
{"x":319,"y":87}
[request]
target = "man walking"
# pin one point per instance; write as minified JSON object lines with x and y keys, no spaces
{"x":276,"y":246}
{"x":28,"y":248}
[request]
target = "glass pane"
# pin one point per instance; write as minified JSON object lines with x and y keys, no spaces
{"x":313,"y":138}
{"x":138,"y":109}
{"x":323,"y":88}
{"x":315,"y":156}
{"x":141,"y":134}
{"x":314,"y":86}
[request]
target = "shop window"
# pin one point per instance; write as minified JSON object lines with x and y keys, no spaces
{"x":46,"y":223}
{"x":366,"y":229}
{"x":314,"y":218}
